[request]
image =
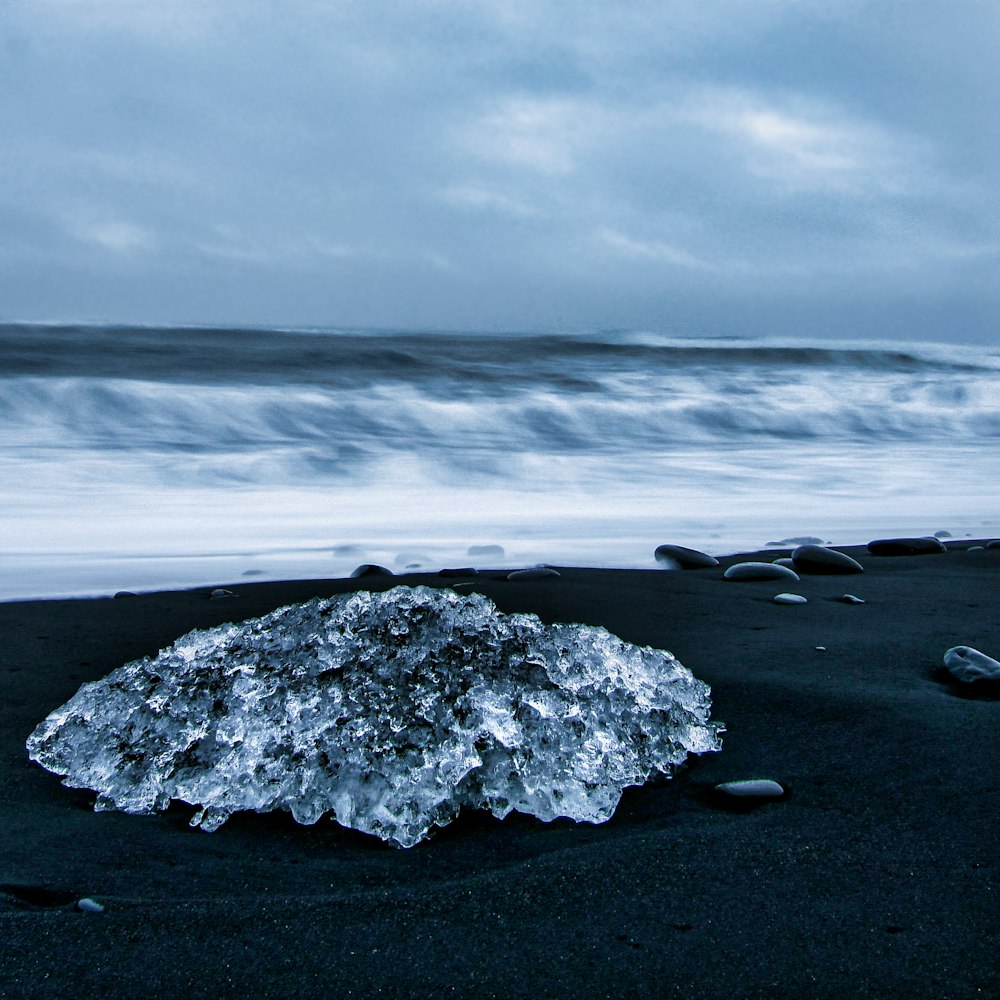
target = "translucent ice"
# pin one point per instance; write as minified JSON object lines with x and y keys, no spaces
{"x":391,"y":711}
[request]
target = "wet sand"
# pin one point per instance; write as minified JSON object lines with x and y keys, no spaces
{"x":878,"y":875}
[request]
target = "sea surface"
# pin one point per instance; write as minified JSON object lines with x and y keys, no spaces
{"x":144,"y":458}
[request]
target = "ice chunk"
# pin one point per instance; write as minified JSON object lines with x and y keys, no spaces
{"x":391,"y":711}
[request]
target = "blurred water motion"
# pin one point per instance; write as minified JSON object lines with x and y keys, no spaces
{"x":143,"y":457}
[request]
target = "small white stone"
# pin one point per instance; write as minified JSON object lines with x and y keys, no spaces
{"x":789,"y":599}
{"x":822,"y":649}
{"x":968,"y":664}
{"x":88,"y":905}
{"x":752,"y":788}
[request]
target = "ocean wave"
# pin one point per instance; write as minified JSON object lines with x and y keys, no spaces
{"x":442,"y":363}
{"x":322,"y":430}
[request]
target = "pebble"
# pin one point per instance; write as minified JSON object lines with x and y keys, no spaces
{"x":88,"y":905}
{"x":906,"y":546}
{"x":976,"y":548}
{"x":485,"y":550}
{"x":752,"y":788}
{"x":348,"y":550}
{"x":535,"y":573}
{"x":819,"y":559}
{"x":371,"y":569}
{"x":789,"y":599}
{"x":799,"y":540}
{"x":820,"y":649}
{"x":219,"y":593}
{"x":784,"y":561}
{"x":850,"y":599}
{"x":675,"y":556}
{"x":942,"y":534}
{"x":408,"y":559}
{"x":459,"y":571}
{"x":124,"y":593}
{"x":759,"y":571}
{"x":968,"y":664}
{"x":995,"y":544}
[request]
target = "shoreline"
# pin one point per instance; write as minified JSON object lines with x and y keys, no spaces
{"x":148,"y":573}
{"x":875,"y":876}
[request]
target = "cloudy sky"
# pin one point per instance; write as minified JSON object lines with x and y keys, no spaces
{"x":765,"y":166}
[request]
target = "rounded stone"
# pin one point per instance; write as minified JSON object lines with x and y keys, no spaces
{"x":969,"y":665}
{"x":763,"y":789}
{"x":219,"y":593}
{"x":88,"y":905}
{"x":995,"y":544}
{"x":534,"y":573}
{"x":748,"y":571}
{"x":850,"y":599}
{"x":371,"y":569}
{"x":819,"y":559}
{"x":485,"y":550}
{"x":458,"y":571}
{"x":789,"y":599}
{"x":784,"y":561}
{"x":679,"y":556}
{"x":906,"y":546}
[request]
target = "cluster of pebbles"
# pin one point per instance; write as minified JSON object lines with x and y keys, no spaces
{"x":964,"y":663}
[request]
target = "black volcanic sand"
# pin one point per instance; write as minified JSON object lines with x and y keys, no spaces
{"x":878,"y":875}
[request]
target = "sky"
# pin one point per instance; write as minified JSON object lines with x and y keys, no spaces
{"x":780,"y":167}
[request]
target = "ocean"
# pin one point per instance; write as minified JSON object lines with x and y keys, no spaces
{"x":142,"y":458}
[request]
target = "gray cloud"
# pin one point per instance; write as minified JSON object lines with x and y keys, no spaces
{"x":702,"y":167}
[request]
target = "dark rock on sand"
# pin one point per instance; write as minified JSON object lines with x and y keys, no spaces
{"x":684,"y":558}
{"x":534,"y":573}
{"x":485,"y":550}
{"x":995,"y":544}
{"x":747,"y":571}
{"x":124,"y":593}
{"x":819,"y":559}
{"x":969,"y":665}
{"x":906,"y":546}
{"x":679,"y":556}
{"x":942,"y":534}
{"x":371,"y":569}
{"x":784,"y":561}
{"x":459,"y":571}
{"x":219,"y":593}
{"x":752,"y":788}
{"x":849,"y":599}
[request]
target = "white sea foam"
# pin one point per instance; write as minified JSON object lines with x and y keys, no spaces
{"x":214,"y":454}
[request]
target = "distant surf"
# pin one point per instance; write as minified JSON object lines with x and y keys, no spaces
{"x":145,"y":457}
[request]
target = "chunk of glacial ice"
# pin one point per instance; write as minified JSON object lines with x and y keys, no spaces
{"x":391,"y":711}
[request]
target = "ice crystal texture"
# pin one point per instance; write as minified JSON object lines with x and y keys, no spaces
{"x":391,"y":711}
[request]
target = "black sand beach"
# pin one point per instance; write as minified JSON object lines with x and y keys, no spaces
{"x":878,"y":875}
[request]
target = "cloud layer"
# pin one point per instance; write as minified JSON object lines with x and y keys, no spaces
{"x":770,"y":167}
